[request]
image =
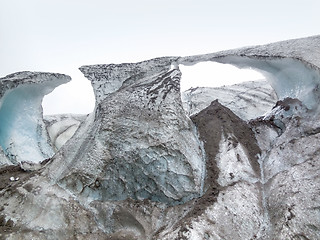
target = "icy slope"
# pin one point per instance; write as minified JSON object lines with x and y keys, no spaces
{"x":289,"y":139}
{"x":247,"y":100}
{"x":23,"y":136}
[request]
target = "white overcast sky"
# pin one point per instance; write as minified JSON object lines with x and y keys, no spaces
{"x":61,"y":35}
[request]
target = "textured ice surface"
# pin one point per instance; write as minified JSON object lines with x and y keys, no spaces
{"x":288,"y":77}
{"x":108,"y":78}
{"x":139,"y":151}
{"x":290,"y":163}
{"x":247,"y":100}
{"x":23,"y":136}
{"x":140,"y":145}
{"x":291,"y":67}
{"x":62,"y":127}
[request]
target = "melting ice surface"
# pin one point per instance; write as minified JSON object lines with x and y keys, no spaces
{"x":22,"y":133}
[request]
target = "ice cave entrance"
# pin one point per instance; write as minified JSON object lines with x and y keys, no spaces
{"x":213,"y":74}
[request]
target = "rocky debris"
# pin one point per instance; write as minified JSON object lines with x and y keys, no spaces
{"x":248,"y":100}
{"x":217,"y":124}
{"x":12,"y":176}
{"x":232,"y":176}
{"x":32,"y":208}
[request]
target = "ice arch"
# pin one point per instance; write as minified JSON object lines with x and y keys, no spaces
{"x":288,"y":77}
{"x":23,"y":136}
{"x":292,"y":67}
{"x":244,"y":91}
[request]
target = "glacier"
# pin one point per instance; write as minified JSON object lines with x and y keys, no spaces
{"x":238,"y":162}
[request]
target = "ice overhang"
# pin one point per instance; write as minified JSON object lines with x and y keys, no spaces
{"x":23,"y":137}
{"x":287,"y":76}
{"x":291,"y":67}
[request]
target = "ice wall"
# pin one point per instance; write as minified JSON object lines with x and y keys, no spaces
{"x":23,"y":135}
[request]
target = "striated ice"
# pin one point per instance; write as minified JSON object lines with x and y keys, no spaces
{"x":108,"y":78}
{"x":62,"y":127}
{"x":288,"y":77}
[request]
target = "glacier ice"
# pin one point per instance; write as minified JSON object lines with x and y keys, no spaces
{"x":288,"y":77}
{"x":23,"y":136}
{"x":291,"y":67}
{"x":108,"y":78}
{"x":248,"y":100}
{"x":134,"y":152}
{"x":62,"y":127}
{"x":139,"y":168}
